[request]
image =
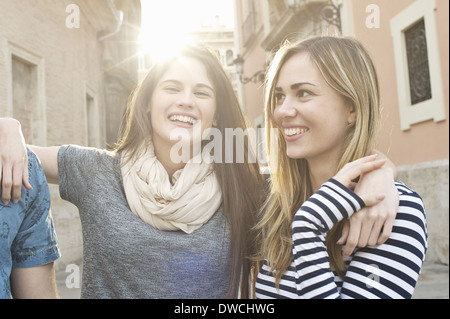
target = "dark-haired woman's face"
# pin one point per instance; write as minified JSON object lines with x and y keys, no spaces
{"x":183,"y":104}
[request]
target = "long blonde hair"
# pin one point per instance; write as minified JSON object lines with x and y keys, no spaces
{"x":347,"y":68}
{"x":241,"y":183}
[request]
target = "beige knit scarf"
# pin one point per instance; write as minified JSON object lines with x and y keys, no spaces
{"x":185,"y":204}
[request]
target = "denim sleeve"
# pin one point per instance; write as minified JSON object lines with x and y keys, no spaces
{"x":35,"y":243}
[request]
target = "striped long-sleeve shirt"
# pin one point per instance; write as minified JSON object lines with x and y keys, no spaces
{"x":389,"y":270}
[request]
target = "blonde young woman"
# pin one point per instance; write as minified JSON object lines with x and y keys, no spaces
{"x":323,"y":96}
{"x":154,"y":226}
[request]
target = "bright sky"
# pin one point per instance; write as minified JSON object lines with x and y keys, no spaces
{"x":165,"y":21}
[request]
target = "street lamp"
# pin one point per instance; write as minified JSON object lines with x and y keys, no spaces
{"x":324,"y":10}
{"x":259,"y":76}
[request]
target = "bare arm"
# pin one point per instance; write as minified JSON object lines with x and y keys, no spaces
{"x":49,"y":160}
{"x":34,"y":283}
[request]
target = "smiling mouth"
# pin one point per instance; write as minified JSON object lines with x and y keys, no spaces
{"x":295,"y":131}
{"x":182,"y":119}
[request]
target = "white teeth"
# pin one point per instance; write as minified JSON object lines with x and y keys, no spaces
{"x":182,"y":118}
{"x":294,"y":131}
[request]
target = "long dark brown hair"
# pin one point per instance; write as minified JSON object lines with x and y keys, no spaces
{"x":241,"y":183}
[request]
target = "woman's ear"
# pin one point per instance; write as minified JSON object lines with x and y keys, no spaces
{"x":351,"y":119}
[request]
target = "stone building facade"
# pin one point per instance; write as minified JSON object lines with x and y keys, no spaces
{"x":67,"y":68}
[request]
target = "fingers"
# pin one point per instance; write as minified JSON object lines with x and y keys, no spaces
{"x":6,"y":180}
{"x":16,"y":183}
{"x":373,"y":224}
{"x":386,"y":231}
{"x":362,"y":231}
{"x":390,"y":208}
{"x":356,"y":168}
{"x":368,"y":227}
{"x":374,"y":235}
{"x":344,"y":234}
{"x":25,"y":176}
{"x":353,"y":237}
{"x":367,"y":167}
{"x":12,"y":177}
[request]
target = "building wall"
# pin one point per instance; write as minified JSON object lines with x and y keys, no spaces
{"x":249,"y":34}
{"x":425,"y":141}
{"x":421,"y":151}
{"x":53,"y":77}
{"x":64,"y":58}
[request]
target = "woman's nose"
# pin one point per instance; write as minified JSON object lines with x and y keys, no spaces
{"x":186,"y":100}
{"x":286,"y":109}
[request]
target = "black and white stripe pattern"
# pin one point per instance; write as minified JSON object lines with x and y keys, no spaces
{"x":389,"y":270}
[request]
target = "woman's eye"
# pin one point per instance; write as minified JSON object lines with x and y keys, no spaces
{"x":202,"y":94}
{"x":171,"y":89}
{"x":279,"y":98}
{"x":303,"y":93}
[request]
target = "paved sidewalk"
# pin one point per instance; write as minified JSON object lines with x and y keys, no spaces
{"x":64,"y":291}
{"x":433,"y":283}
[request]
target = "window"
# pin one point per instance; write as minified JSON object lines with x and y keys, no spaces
{"x":24,"y":95}
{"x":417,"y":61}
{"x":27,"y":101}
{"x":230,"y":58}
{"x":418,"y":67}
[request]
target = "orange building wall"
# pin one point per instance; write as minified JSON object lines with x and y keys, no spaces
{"x":426,"y":141}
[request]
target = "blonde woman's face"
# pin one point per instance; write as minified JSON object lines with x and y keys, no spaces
{"x":313,"y":117}
{"x":183,"y":97}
